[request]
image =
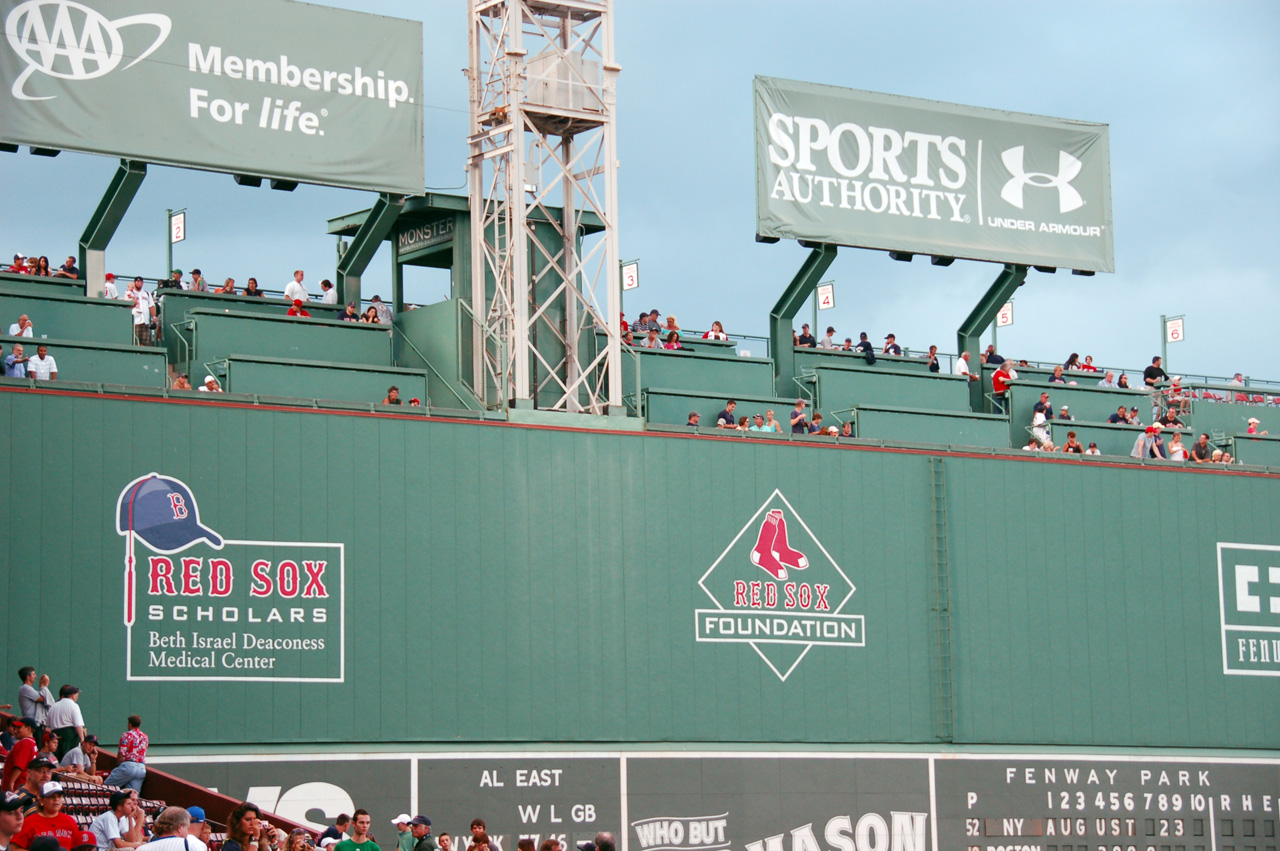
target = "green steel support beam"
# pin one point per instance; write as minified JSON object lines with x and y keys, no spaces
{"x":980,"y":318}
{"x":797,"y":292}
{"x":375,"y":227}
{"x":102,"y":226}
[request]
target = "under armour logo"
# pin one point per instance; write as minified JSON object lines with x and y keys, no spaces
{"x":1068,"y":167}
{"x":81,"y":44}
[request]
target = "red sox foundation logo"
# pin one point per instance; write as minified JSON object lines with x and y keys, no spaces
{"x":776,"y":588}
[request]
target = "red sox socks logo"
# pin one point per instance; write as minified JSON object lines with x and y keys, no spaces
{"x":777,"y":589}
{"x":771,"y":552}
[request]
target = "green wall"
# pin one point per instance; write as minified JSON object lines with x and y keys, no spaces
{"x":533,"y":584}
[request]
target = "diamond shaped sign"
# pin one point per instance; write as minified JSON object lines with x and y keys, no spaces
{"x":776,"y":588}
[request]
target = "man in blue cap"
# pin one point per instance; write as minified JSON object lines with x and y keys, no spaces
{"x":420,"y":829}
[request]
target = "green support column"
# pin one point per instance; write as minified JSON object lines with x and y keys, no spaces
{"x":800,"y":288}
{"x":106,"y":218}
{"x":968,"y":338}
{"x":365,"y":244}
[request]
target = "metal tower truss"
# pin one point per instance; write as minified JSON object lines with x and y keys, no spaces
{"x":545,"y":287}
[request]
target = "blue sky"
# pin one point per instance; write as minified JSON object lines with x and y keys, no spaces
{"x":1191,"y":92}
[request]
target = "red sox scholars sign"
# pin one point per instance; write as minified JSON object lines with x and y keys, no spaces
{"x":201,"y":607}
{"x":776,"y":588}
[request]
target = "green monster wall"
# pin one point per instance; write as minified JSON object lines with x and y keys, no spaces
{"x":532,"y":584}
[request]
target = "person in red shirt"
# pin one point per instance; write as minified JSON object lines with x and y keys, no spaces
{"x":49,"y":820}
{"x":24,"y":750}
{"x":999,"y":386}
{"x":298,"y":309}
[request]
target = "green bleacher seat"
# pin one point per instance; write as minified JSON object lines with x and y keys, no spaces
{"x":715,"y":373}
{"x":1111,"y":439}
{"x":69,"y":317}
{"x":218,"y":334}
{"x":957,"y":428}
{"x":671,"y":406}
{"x":322,"y":380}
{"x":1227,"y":408}
{"x":840,"y":388}
{"x":100,"y":363}
{"x":807,"y":359}
{"x":10,"y":282}
{"x":1088,"y":404}
{"x":1256,"y":449}
{"x":176,"y":304}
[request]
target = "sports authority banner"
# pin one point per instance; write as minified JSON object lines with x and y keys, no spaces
{"x":269,"y":88}
{"x":200,"y":607}
{"x":778,"y":801}
{"x":870,"y":170}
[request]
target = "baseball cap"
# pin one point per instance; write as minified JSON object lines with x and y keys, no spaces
{"x":1066,"y":407}
{"x":177,"y":272}
{"x":421,"y":820}
{"x":887,"y":336}
{"x":84,"y":838}
{"x":148,"y":506}
{"x":53,"y":787}
{"x":91,"y":739}
{"x":327,"y":841}
{"x":11,"y":803}
{"x":297,"y":302}
{"x":111,"y":276}
{"x":196,"y":813}
{"x":44,"y":843}
{"x":693,"y":414}
{"x":403,"y":818}
{"x":41,"y":762}
{"x":196,"y":272}
{"x":26,"y":721}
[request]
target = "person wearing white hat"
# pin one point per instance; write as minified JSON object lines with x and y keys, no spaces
{"x":1254,"y":422}
{"x":210,"y":385}
{"x":405,"y":840}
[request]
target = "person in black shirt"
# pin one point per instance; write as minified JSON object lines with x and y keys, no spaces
{"x":933,"y":359}
{"x":805,"y":340}
{"x":1121,"y":416}
{"x":1153,"y":374}
{"x":891,"y":346}
{"x":864,"y":346}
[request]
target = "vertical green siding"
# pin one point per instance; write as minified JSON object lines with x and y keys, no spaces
{"x":511,"y":583}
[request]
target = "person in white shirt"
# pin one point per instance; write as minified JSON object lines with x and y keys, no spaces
{"x":210,"y":385}
{"x":109,"y":287}
{"x":1092,"y":450}
{"x":962,"y":366}
{"x":198,"y":283}
{"x":110,"y":827}
{"x":42,"y":367}
{"x":144,"y":312}
{"x":1109,"y":380}
{"x":22,"y":328}
{"x":330,"y":294}
{"x":294,"y":290}
{"x":828,"y":342}
{"x":172,"y":832}
{"x":66,"y":721}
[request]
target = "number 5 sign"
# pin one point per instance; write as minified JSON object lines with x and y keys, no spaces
{"x":826,"y":296}
{"x":1005,"y":316}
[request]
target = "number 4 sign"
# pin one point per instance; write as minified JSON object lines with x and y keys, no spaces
{"x":826,"y":296}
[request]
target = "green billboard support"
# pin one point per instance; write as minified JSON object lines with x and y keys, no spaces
{"x":969,"y":335}
{"x":365,"y":244}
{"x":781,"y":344}
{"x":106,"y":218}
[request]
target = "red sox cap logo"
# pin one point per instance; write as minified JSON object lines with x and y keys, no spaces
{"x":776,"y":588}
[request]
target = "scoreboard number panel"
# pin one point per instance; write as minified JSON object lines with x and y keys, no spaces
{"x":1010,"y":804}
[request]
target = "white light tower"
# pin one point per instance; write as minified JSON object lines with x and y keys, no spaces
{"x":545,"y":299}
